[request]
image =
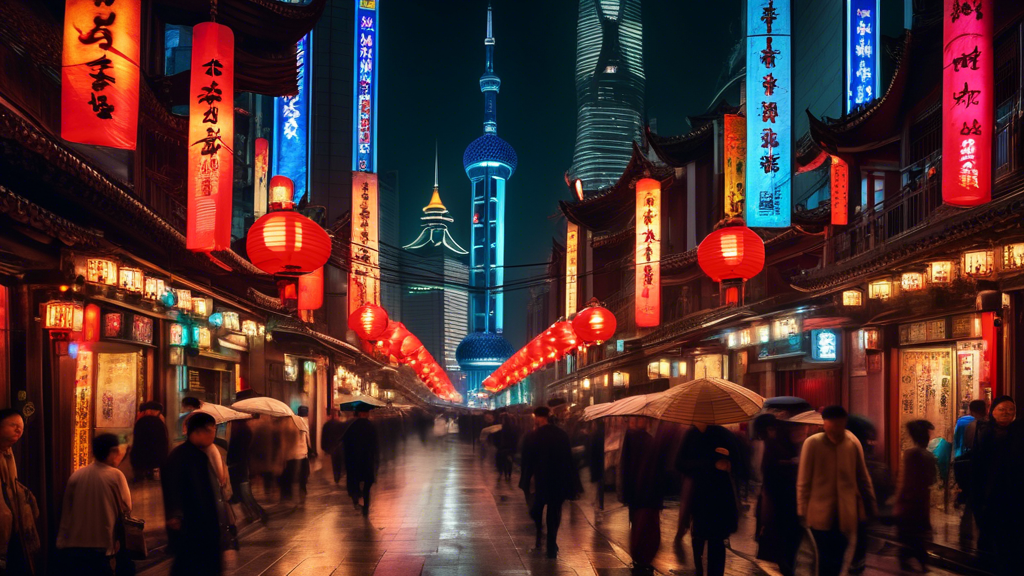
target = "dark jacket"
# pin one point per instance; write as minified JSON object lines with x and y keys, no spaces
{"x":149,"y":443}
{"x":331,"y":435}
{"x":189,"y":495}
{"x":240,"y":445}
{"x":778,"y":526}
{"x":547,"y":460}
{"x":997,"y":472}
{"x":642,"y":468}
{"x":714,"y":510}
{"x":913,"y":505}
{"x":362,"y":452}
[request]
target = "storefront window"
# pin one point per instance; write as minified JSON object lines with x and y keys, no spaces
{"x":786,"y":327}
{"x":732,"y":340}
{"x":155,"y":288}
{"x":112,"y":324}
{"x":763,"y":335}
{"x":131,"y":279}
{"x":116,"y":383}
{"x":941,"y":272}
{"x":620,"y":379}
{"x":880,"y":290}
{"x":249,"y":327}
{"x":745,"y":337}
{"x":200,"y":306}
{"x":978,"y":263}
{"x":911,"y":281}
{"x":101,"y":271}
{"x":1013,"y":256}
{"x":178,"y":335}
{"x":852,"y":298}
{"x":708,"y":366}
{"x":231,"y":321}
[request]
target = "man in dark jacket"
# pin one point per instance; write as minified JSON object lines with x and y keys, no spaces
{"x":642,"y":469}
{"x":547,"y":460}
{"x":706,"y":459}
{"x":239,"y":448}
{"x":149,"y":441}
{"x":330,"y":442}
{"x":362,"y":454}
{"x":195,"y":511}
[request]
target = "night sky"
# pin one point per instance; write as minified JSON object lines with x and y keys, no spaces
{"x":431,"y":59}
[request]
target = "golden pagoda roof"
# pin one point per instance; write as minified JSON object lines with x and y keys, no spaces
{"x":435,"y":202}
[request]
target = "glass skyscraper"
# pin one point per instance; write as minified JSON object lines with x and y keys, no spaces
{"x":609,"y":90}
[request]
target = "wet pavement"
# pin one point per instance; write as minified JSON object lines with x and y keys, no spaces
{"x":441,"y":510}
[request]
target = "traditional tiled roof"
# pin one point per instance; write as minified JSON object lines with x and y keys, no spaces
{"x":24,"y":211}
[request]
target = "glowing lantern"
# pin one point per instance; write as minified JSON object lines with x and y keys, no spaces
{"x":287,"y":243}
{"x":731,"y":255}
{"x":594,"y":325}
{"x":211,"y":136}
{"x":91,"y":324}
{"x":578,"y":187}
{"x":311,"y":290}
{"x":100,"y":73}
{"x":369,"y":322}
{"x":967,"y":102}
{"x":282,"y":193}
{"x":131,"y":280}
{"x":63,"y":316}
{"x":648,"y":253}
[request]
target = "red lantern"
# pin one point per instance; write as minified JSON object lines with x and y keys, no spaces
{"x":282,"y":193}
{"x":311,"y":290}
{"x":594,"y":324}
{"x":91,"y":325}
{"x":100,"y":73}
{"x":411,"y":347}
{"x":211,"y":136}
{"x":731,"y":253}
{"x":369,"y":322}
{"x":287,"y":243}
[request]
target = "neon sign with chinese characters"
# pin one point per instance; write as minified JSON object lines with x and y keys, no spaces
{"x":291,"y":123}
{"x":364,"y":145}
{"x":825,"y":345}
{"x":861,"y":52}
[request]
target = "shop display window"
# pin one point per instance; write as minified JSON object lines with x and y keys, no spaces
{"x":131,"y":280}
{"x":940,"y":272}
{"x":155,"y":288}
{"x":231,"y":321}
{"x":1013,"y":256}
{"x":911,"y":281}
{"x":763,"y":334}
{"x":786,"y":327}
{"x":112,"y":324}
{"x":880,"y":290}
{"x":101,"y":271}
{"x":708,"y":366}
{"x":184,"y":299}
{"x":852,"y":298}
{"x":978,"y":263}
{"x":116,"y":389}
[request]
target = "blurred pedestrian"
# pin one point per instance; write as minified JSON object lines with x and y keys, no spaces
{"x":706,"y":459}
{"x":506,"y":442}
{"x":834,"y":491}
{"x":189,"y":404}
{"x":881,"y":481}
{"x":239,"y":454}
{"x":913,"y":503}
{"x":150,"y":442}
{"x":778,"y":526}
{"x":362,"y":456}
{"x":95,"y":499}
{"x":193,"y":503}
{"x":643,"y":482}
{"x":997,"y":474}
{"x":18,"y":509}
{"x":965,"y":439}
{"x":547,"y":462}
{"x":330,"y":442}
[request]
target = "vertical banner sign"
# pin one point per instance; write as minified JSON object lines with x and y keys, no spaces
{"x":648,"y":253}
{"x":735,"y":128}
{"x":100,"y":73}
{"x":262,"y":178}
{"x":291,"y":124}
{"x":840,"y":190}
{"x":364,"y":275}
{"x":967,"y":102}
{"x":861,"y":52}
{"x":769,"y":115}
{"x":211,"y":136}
{"x":364,"y":148}
{"x":572,"y":245}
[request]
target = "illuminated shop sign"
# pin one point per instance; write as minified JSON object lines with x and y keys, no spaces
{"x":825,"y":345}
{"x":572,"y":238}
{"x":735,"y":130}
{"x":291,"y":123}
{"x":648,"y":253}
{"x":364,"y":277}
{"x":862,"y":19}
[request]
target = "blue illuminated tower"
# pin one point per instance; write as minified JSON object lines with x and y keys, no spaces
{"x":489,"y":162}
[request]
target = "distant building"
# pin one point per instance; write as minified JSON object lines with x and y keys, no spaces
{"x":609,"y":90}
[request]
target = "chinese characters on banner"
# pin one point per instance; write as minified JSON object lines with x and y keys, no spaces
{"x":262,"y":178}
{"x":648,"y":253}
{"x":769,"y":116}
{"x":364,"y":277}
{"x":967,"y":102}
{"x":572,"y":244}
{"x":364,"y":149}
{"x":211,"y":135}
{"x":100,"y":73}
{"x":840,"y":190}
{"x":291,"y":124}
{"x":735,"y":128}
{"x":861,"y":52}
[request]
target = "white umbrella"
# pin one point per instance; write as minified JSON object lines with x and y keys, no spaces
{"x":488,"y":431}
{"x":629,"y":406}
{"x":263,"y":405}
{"x":812,"y":417}
{"x":221,"y":414}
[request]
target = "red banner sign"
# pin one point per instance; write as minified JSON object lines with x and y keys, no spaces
{"x":967,"y":102}
{"x":100,"y":73}
{"x":211,"y":135}
{"x":840,"y":191}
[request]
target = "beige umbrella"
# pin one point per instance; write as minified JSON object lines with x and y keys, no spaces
{"x":812,"y":417}
{"x":706,"y":400}
{"x":221,"y":414}
{"x":630,"y":406}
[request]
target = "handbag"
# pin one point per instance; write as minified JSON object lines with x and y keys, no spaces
{"x":130,"y":533}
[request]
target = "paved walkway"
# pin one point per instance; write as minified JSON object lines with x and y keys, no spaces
{"x":441,"y":510}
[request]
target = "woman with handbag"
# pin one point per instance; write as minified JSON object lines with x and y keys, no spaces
{"x":96,"y":498}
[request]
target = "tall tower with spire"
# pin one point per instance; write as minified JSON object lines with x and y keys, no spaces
{"x":489,"y":162}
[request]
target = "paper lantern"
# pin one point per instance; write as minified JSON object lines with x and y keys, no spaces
{"x":282,"y":192}
{"x":311,"y":290}
{"x":211,"y":136}
{"x":368,"y":322}
{"x":287,"y":243}
{"x":967,"y":102}
{"x":100,"y":73}
{"x":731,"y":252}
{"x":647,"y":294}
{"x":64,"y":316}
{"x":91,"y":324}
{"x":594,"y":324}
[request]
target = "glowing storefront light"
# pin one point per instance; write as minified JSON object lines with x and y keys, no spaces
{"x":648,"y":253}
{"x":911,"y":281}
{"x":364,"y":143}
{"x":940,"y":272}
{"x":862,"y":17}
{"x":880,"y":290}
{"x":572,"y":237}
{"x":852,"y":298}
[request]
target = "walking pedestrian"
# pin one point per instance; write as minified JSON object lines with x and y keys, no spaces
{"x":239,"y":454}
{"x":18,"y":510}
{"x":913,"y":503}
{"x":150,"y":443}
{"x":95,"y":498}
{"x":643,"y":482}
{"x":189,"y":404}
{"x":706,"y":458}
{"x":362,"y":456}
{"x":834,"y":490}
{"x":506,"y":442}
{"x":965,"y":439}
{"x":330,"y":442}
{"x":547,"y":461}
{"x":779,"y":532}
{"x":193,"y":503}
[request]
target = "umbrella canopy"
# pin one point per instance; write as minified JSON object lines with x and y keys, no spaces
{"x":263,"y":405}
{"x":488,"y":431}
{"x":789,"y":404}
{"x":706,"y":400}
{"x":349,"y":402}
{"x":629,"y":406}
{"x":809,"y":417}
{"x":220,"y":413}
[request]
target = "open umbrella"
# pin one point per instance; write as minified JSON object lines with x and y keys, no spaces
{"x":812,"y":417}
{"x":488,"y":431}
{"x":263,"y":405}
{"x":629,"y":406}
{"x":222,"y":414}
{"x":786,"y":405}
{"x":706,"y":400}
{"x":348,"y":402}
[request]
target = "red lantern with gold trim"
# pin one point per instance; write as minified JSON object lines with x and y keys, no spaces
{"x":287,"y":243}
{"x":594,"y":324}
{"x":369,"y":322}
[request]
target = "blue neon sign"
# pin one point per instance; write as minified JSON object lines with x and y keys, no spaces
{"x":769,"y":114}
{"x":862,"y":19}
{"x":364,"y":138}
{"x":825,"y":345}
{"x":291,"y":123}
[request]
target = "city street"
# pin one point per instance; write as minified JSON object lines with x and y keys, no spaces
{"x":440,"y":510}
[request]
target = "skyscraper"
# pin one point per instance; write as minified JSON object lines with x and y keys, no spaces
{"x":489,"y":162}
{"x":609,"y":89}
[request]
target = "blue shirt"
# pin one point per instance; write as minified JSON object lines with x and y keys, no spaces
{"x":958,"y":435}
